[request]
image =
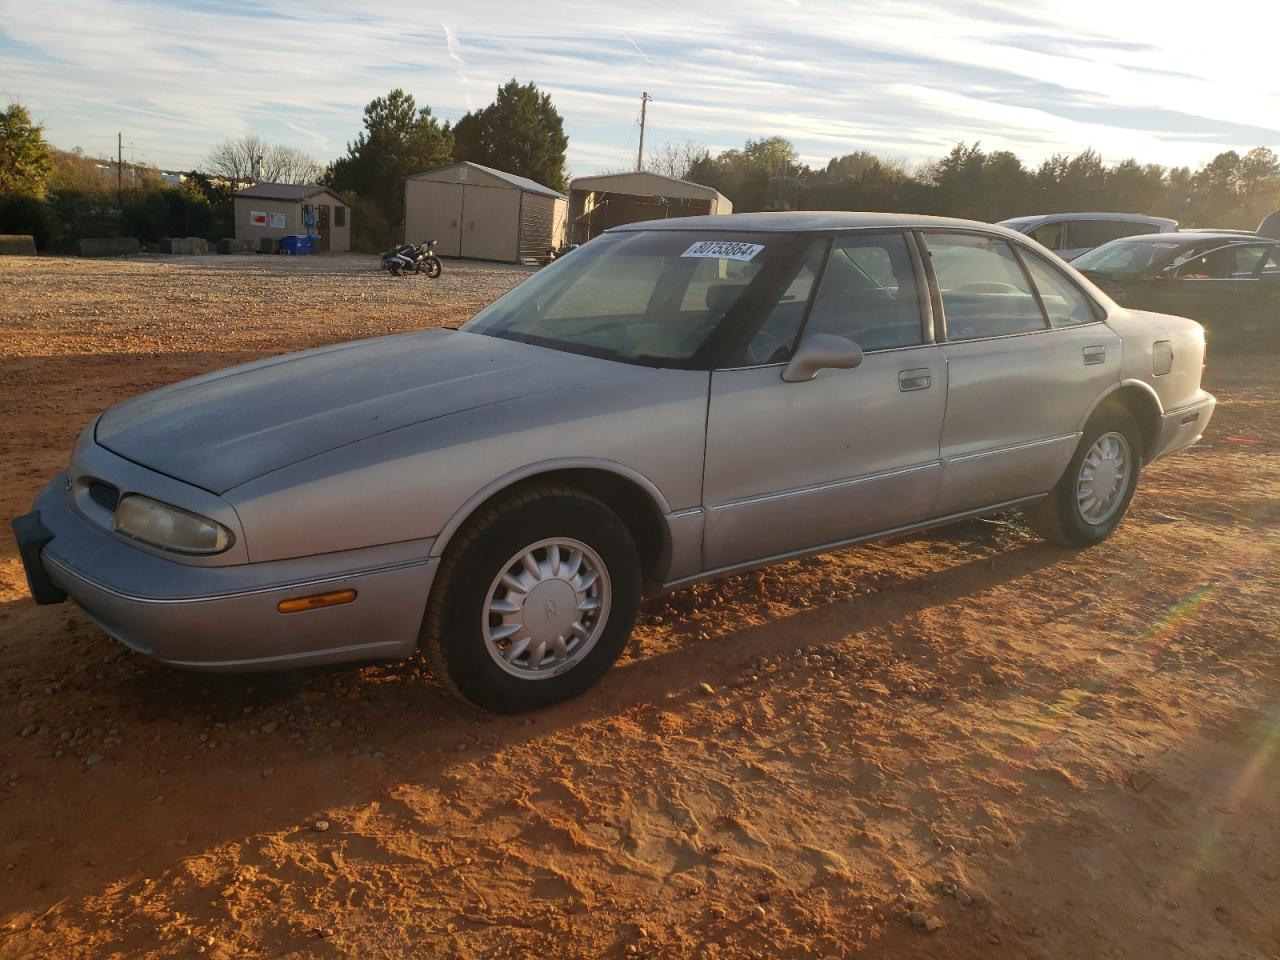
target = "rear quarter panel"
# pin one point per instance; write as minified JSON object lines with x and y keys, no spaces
{"x":1141,"y":331}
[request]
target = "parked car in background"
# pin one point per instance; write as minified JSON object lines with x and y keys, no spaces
{"x":676,"y":401}
{"x":1071,"y":234}
{"x":1228,"y":281}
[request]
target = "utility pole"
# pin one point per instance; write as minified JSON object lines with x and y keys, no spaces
{"x":644,"y":102}
{"x":120,"y":170}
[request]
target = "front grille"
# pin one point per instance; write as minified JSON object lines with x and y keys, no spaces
{"x":104,"y":495}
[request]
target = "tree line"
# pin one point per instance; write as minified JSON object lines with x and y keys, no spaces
{"x":60,"y":196}
{"x":1231,"y":190}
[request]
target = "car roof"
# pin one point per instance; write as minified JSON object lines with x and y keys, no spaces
{"x":1229,"y":230}
{"x":1096,"y":215}
{"x":1190,"y":237}
{"x":810,"y":221}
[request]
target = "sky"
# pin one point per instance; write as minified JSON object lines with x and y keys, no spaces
{"x":1167,"y":82}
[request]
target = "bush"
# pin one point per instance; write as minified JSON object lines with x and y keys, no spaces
{"x":156,"y":214}
{"x":25,"y":215}
{"x":371,"y":231}
{"x":76,"y":214}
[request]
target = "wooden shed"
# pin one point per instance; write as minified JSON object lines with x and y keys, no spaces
{"x":293,"y":209}
{"x":480,"y":213}
{"x":598,"y":203}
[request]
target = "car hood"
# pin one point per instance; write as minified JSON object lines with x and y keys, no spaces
{"x":223,"y":429}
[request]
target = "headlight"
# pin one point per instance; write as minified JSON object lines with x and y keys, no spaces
{"x":168,"y":527}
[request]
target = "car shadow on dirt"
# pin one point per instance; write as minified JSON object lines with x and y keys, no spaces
{"x":117,"y":731}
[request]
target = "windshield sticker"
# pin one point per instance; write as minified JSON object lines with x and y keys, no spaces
{"x":724,"y":250}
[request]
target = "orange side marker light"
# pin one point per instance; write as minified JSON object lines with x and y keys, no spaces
{"x":316,"y":601}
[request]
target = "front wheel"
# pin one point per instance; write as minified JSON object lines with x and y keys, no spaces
{"x":431,"y":266}
{"x":534,"y":600}
{"x":1094,"y":493}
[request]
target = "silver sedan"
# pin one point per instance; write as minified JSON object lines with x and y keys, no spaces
{"x":675,"y":401}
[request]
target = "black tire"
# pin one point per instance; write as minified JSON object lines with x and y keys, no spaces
{"x":433,"y":266}
{"x":1058,"y":517}
{"x":453,"y":636}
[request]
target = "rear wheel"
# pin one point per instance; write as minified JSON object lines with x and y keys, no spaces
{"x":1094,"y":493}
{"x":534,"y":600}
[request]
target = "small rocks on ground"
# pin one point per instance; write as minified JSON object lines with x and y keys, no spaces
{"x":93,"y":759}
{"x":707,"y":688}
{"x":320,"y":826}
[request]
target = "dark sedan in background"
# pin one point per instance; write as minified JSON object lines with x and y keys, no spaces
{"x":1228,"y":281}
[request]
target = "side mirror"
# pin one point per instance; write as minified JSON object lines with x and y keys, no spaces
{"x":821,"y":351}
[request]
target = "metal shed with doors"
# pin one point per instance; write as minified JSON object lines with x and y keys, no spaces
{"x":480,"y":213}
{"x":598,"y":203}
{"x":293,"y":209}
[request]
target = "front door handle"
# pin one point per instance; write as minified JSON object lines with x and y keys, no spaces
{"x":1094,"y":355}
{"x":917,"y":379}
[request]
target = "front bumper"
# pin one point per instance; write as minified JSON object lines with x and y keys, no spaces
{"x":1183,"y":426}
{"x":225,"y":618}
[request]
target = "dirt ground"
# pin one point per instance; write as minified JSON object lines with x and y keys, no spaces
{"x":1042,"y":753}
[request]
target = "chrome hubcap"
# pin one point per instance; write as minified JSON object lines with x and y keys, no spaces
{"x":546,"y":608}
{"x":1104,"y":476}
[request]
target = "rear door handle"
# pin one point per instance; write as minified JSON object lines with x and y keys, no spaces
{"x":1094,"y":355}
{"x":917,"y":379}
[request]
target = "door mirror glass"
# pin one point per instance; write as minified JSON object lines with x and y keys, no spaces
{"x":821,"y":351}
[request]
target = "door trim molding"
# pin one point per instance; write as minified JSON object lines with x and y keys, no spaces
{"x":822,"y":487}
{"x":1011,"y":448}
{"x":720,"y":572}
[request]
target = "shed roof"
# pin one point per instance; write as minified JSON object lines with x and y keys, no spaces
{"x":282,"y":191}
{"x":646,"y":184}
{"x":524,"y":183}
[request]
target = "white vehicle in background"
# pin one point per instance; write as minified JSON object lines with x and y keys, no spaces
{"x":1071,"y":234}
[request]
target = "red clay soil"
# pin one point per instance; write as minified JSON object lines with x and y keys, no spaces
{"x":1037,"y":752}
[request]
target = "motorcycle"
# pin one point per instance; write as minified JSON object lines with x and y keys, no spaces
{"x":555,"y":253}
{"x":408,"y":258}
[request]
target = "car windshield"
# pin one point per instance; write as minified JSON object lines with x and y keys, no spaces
{"x":1127,"y":256}
{"x":647,"y":296}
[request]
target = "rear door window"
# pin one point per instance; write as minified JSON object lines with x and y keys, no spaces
{"x":985,"y":292}
{"x":1094,"y":233}
{"x":1064,"y":302}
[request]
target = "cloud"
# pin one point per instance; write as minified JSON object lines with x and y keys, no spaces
{"x":904,"y":78}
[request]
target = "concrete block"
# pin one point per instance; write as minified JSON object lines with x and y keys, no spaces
{"x":17,"y":245}
{"x":109,"y":246}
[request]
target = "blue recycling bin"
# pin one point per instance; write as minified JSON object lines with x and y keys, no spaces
{"x":295,"y":245}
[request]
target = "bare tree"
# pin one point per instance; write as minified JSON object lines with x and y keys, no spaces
{"x":676,"y":159}
{"x":237,"y":159}
{"x":283,"y":164}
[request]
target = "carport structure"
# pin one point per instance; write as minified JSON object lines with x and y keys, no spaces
{"x":598,"y":203}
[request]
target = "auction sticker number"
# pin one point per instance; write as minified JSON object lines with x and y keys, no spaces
{"x":724,"y":250}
